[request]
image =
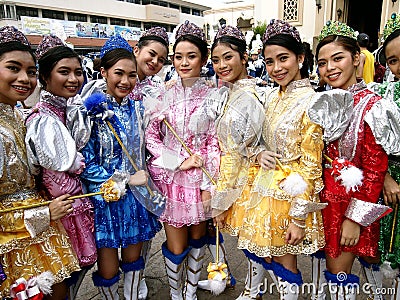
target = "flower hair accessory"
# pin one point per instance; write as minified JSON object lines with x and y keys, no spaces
{"x":189,"y":28}
{"x":391,"y":25}
{"x":115,"y":42}
{"x":227,"y":30}
{"x":48,"y":42}
{"x":156,"y":33}
{"x":12,"y":34}
{"x":337,"y":28}
{"x":276,"y":27}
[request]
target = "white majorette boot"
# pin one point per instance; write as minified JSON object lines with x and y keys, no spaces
{"x":374,"y":277}
{"x":342,"y":286}
{"x":396,"y":288}
{"x":194,"y":265}
{"x":174,"y":265}
{"x":143,"y":291}
{"x":132,"y":276}
{"x":289,"y":283}
{"x":108,"y":288}
{"x":254,"y":278}
{"x":230,"y":280}
{"x":318,"y":263}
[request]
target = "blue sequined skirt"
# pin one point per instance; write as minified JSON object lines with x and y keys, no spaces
{"x":123,"y":223}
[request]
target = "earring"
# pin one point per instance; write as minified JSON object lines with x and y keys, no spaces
{"x":300,"y":65}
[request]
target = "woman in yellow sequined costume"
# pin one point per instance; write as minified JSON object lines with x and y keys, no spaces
{"x":279,"y":224}
{"x":32,"y":241}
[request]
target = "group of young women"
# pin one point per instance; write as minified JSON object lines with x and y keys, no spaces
{"x":267,"y":165}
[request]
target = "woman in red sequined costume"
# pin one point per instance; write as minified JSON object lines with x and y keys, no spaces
{"x":338,"y":57}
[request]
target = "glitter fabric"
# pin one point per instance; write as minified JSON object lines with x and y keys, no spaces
{"x":115,"y":42}
{"x":157,"y":33}
{"x":365,"y":213}
{"x":391,"y":25}
{"x":358,"y":144}
{"x":48,"y":42}
{"x":12,"y":34}
{"x":227,"y":30}
{"x":276,"y":27}
{"x":337,"y":28}
{"x":188,"y":28}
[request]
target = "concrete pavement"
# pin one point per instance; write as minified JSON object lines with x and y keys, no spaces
{"x":157,"y":280}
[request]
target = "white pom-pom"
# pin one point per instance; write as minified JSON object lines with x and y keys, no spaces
{"x":351,"y":178}
{"x":217,"y":285}
{"x":388,"y":271}
{"x":43,"y":281}
{"x":294,"y":185}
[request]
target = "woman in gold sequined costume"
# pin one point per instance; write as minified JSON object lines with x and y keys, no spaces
{"x":278,"y":225}
{"x":32,"y":241}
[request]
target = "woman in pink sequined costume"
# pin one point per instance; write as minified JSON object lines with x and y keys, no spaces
{"x":56,"y":131}
{"x":175,"y":172}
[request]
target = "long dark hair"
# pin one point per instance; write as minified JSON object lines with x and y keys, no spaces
{"x":347,"y":43}
{"x":16,"y":46}
{"x":390,"y":38}
{"x":202,"y":45}
{"x":48,"y":61}
{"x":290,"y":43}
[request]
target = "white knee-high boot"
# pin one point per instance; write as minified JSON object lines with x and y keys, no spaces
{"x":342,"y":286}
{"x":289,"y":283}
{"x":254,"y":278}
{"x":396,"y":288}
{"x":174,"y":265}
{"x":230,"y":280}
{"x":318,"y":263}
{"x":132,"y":276}
{"x":374,"y":277}
{"x":108,"y":288}
{"x":143,"y":291}
{"x":194,"y":265}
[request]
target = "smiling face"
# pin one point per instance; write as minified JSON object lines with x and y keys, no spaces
{"x":336,"y":65}
{"x":228,"y":64}
{"x":66,"y":78}
{"x":150,"y":58}
{"x":121,"y":78}
{"x":392,"y":54}
{"x":282,"y":65}
{"x":187,"y":60}
{"x":18,"y":76}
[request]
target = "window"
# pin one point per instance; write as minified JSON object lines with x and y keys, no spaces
{"x":133,"y":23}
{"x":77,"y":17}
{"x":174,"y":6}
{"x":133,"y":1}
{"x":144,"y":2}
{"x":52,"y":14}
{"x":7,"y":11}
{"x":185,"y":10}
{"x":98,"y":19}
{"x":163,"y":3}
{"x":293,"y":11}
{"x":195,"y":12}
{"x":26,"y":12}
{"x":116,"y":21}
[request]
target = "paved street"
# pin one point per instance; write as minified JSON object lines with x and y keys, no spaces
{"x":157,"y":280}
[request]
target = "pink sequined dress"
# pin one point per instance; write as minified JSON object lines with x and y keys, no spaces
{"x":189,"y":111}
{"x":52,"y":155}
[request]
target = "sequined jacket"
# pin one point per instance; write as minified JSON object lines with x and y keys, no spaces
{"x":239,"y":127}
{"x":17,"y":186}
{"x":188,"y":112}
{"x":292,"y":134}
{"x":362,"y":146}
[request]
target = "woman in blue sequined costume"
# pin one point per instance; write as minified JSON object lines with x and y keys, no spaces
{"x":125,"y":223}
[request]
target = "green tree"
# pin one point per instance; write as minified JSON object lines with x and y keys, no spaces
{"x":260,"y":28}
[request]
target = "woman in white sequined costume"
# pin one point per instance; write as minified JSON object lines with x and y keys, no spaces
{"x":33,"y":242}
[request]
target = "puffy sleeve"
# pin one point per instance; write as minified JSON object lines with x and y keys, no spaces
{"x":239,"y":132}
{"x":78,"y":124}
{"x":384,"y":120}
{"x":310,"y":168}
{"x":49,"y":145}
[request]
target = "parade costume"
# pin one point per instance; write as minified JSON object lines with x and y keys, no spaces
{"x":127,"y":221}
{"x":46,"y":131}
{"x":28,"y":237}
